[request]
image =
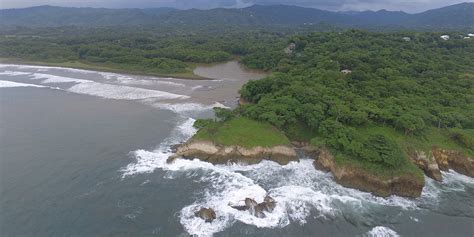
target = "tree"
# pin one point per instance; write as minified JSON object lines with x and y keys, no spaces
{"x":381,"y":150}
{"x":409,"y":123}
{"x":223,"y":114}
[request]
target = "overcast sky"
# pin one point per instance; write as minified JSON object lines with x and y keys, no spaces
{"x":334,"y":5}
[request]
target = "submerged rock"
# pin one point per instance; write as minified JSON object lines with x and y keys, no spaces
{"x":406,"y":185}
{"x":207,"y":214}
{"x":174,"y":148}
{"x":217,"y":154}
{"x":456,"y":160}
{"x":428,"y":164}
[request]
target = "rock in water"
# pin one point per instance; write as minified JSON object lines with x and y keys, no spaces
{"x":207,"y":214}
{"x":257,"y":209}
{"x":250,"y":203}
{"x":254,"y":208}
{"x":269,"y":203}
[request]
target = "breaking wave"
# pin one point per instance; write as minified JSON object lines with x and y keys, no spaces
{"x":45,"y":68}
{"x":111,"y":86}
{"x":128,"y":80}
{"x":381,"y":231}
{"x":10,"y":84}
{"x":299,"y":190}
{"x":14,"y":73}
{"x":146,"y":163}
{"x":104,"y":90}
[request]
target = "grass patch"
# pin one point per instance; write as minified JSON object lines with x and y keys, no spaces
{"x":242,"y":132}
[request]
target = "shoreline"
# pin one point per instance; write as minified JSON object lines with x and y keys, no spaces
{"x":99,"y":68}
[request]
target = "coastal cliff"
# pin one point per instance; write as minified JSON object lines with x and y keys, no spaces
{"x":455,"y":160}
{"x":406,"y":185}
{"x":246,"y":141}
{"x":219,"y":154}
{"x":438,"y":160}
{"x":427,"y":163}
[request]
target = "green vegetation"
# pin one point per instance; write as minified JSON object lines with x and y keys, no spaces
{"x":398,"y":97}
{"x":130,"y":50}
{"x":242,"y":132}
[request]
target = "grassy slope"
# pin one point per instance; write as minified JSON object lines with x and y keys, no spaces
{"x":243,"y":132}
{"x":107,"y":68}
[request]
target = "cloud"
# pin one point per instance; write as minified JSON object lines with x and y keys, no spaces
{"x":334,"y":5}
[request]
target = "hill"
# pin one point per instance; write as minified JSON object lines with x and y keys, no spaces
{"x":455,"y":17}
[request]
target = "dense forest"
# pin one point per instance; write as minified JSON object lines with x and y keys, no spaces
{"x":369,"y":96}
{"x":136,"y":50}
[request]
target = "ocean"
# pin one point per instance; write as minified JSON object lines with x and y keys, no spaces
{"x":83,"y":153}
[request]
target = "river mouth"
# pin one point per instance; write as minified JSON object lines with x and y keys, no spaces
{"x":84,"y":153}
{"x":231,"y":70}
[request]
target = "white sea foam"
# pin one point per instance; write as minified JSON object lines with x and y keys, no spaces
{"x":298,"y":189}
{"x":9,"y":84}
{"x":104,"y":90}
{"x":381,"y":231}
{"x":129,"y":80}
{"x":45,"y":68}
{"x":186,"y":107}
{"x":197,"y":87}
{"x":14,"y":73}
{"x":452,"y":177}
{"x":452,"y":182}
{"x":116,"y":88}
{"x":51,"y":79}
{"x":121,"y":92}
{"x":147,"y":162}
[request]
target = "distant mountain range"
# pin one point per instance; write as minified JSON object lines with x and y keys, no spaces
{"x":459,"y":16}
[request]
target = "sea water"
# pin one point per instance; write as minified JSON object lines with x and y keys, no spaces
{"x":84,"y":153}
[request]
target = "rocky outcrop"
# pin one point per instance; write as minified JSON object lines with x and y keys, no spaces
{"x":207,"y":214}
{"x":354,"y":177}
{"x":456,"y":160}
{"x":257,"y":209}
{"x":217,"y":154}
{"x":428,"y":164}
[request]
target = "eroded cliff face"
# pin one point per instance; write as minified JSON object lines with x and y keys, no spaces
{"x":407,"y":185}
{"x":427,"y":163}
{"x":353,"y":177}
{"x":217,"y":154}
{"x":455,"y":160}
